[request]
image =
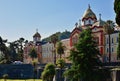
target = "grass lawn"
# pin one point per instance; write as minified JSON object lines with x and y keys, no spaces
{"x":21,"y":80}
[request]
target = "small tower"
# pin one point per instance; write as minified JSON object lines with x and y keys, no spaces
{"x":36,"y":36}
{"x":89,"y":17}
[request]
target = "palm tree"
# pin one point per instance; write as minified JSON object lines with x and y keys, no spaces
{"x":54,"y":39}
{"x":110,"y":30}
{"x":60,"y":64}
{"x":33,"y":53}
{"x":60,"y":49}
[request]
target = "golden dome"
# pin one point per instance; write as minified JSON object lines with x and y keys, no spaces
{"x":89,"y":14}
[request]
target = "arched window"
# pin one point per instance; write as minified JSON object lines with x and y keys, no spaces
{"x":89,"y":21}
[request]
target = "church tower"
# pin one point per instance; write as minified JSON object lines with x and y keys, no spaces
{"x":89,"y":17}
{"x":36,"y":36}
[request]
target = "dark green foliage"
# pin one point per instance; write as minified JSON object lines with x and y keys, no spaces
{"x":117,"y":11}
{"x":60,"y":35}
{"x":64,"y":35}
{"x":85,"y":60}
{"x":5,"y":76}
{"x":48,"y":73}
{"x":33,"y":53}
{"x":12,"y":50}
{"x":54,"y":38}
{"x":60,"y":49}
{"x":16,"y":49}
{"x":60,"y":63}
{"x":118,"y":48}
{"x":110,"y":26}
{"x":4,"y":49}
{"x":20,"y":43}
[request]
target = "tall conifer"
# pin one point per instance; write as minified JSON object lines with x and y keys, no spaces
{"x":85,"y":58}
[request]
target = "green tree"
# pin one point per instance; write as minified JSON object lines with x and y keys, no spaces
{"x":33,"y":53}
{"x":118,"y":48}
{"x":4,"y":50}
{"x":5,"y":76}
{"x":48,"y":73}
{"x":54,"y":39}
{"x":12,"y":49}
{"x":60,"y":64}
{"x":110,"y":26}
{"x":84,"y":58}
{"x":117,"y":11}
{"x":20,"y":48}
{"x":60,"y":49}
{"x":109,"y":30}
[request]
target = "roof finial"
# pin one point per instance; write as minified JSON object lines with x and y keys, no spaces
{"x":76,"y":24}
{"x":37,"y":30}
{"x":89,"y":6}
{"x":79,"y":22}
{"x":99,"y":16}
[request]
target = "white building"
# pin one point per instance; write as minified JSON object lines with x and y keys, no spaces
{"x":113,"y":46}
{"x":47,"y":52}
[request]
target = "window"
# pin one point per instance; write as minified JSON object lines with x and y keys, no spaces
{"x":95,"y":28}
{"x":112,"y":40}
{"x":112,"y":49}
{"x":84,"y":22}
{"x":107,"y":50}
{"x":75,"y":40}
{"x":117,"y":40}
{"x":107,"y":41}
{"x":89,"y":21}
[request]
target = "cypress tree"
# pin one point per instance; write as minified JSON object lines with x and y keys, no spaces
{"x":85,"y":58}
{"x":118,"y":48}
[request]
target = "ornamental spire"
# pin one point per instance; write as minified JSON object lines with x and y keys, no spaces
{"x":37,"y":30}
{"x":99,"y":16}
{"x":76,"y":24}
{"x":79,"y":22}
{"x":89,"y":6}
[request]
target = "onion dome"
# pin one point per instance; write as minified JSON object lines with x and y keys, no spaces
{"x":36,"y":35}
{"x":89,"y":14}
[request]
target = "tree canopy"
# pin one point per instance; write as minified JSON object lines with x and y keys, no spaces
{"x":33,"y":53}
{"x":118,"y":48}
{"x":48,"y":73}
{"x":60,"y":49}
{"x":4,"y":50}
{"x":85,"y":59}
{"x":117,"y":11}
{"x":59,"y":35}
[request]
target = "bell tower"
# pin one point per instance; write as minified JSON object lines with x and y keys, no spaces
{"x":89,"y":17}
{"x":36,"y":36}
